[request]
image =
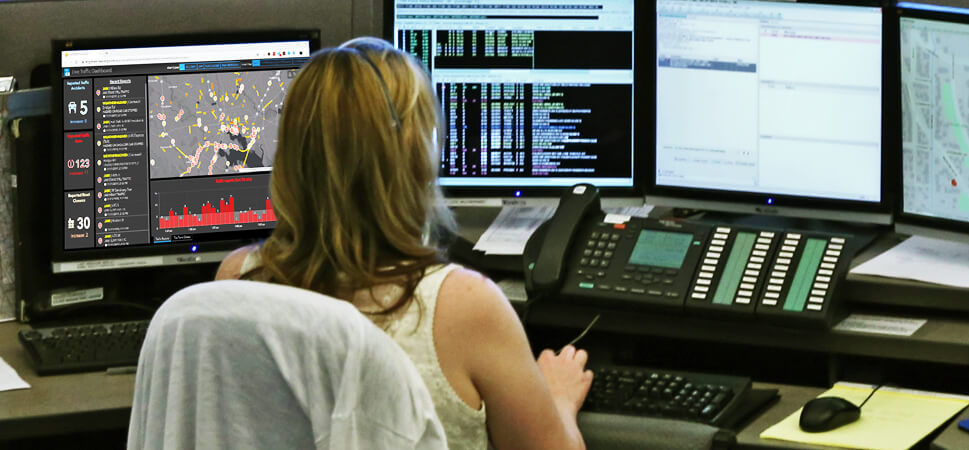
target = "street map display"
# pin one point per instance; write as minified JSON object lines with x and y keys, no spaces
{"x":214,"y":123}
{"x":935,"y":118}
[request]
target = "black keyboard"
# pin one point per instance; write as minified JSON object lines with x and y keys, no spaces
{"x":83,"y":348}
{"x":692,"y":396}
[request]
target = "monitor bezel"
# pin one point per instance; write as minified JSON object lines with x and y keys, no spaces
{"x":907,"y":222}
{"x":190,"y":252}
{"x":641,"y":39}
{"x":783,"y":204}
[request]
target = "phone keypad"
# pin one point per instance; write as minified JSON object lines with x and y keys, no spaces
{"x":599,"y":250}
{"x":636,"y":280}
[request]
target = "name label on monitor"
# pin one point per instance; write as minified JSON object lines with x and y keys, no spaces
{"x":65,"y":298}
{"x":101,"y":264}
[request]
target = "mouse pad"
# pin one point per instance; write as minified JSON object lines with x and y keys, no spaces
{"x":893,"y":418}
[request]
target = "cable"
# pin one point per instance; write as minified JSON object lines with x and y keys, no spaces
{"x":582,"y":334}
{"x":869,"y":395}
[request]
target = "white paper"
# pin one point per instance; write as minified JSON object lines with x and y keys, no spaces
{"x":616,"y":218}
{"x":9,"y":380}
{"x":510,"y":231}
{"x":635,"y":211}
{"x":922,"y":259}
{"x":895,"y":326}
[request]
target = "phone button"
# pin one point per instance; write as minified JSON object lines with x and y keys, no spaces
{"x":586,"y":285}
{"x":605,"y":287}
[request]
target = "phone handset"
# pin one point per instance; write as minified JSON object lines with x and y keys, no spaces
{"x":548,"y":248}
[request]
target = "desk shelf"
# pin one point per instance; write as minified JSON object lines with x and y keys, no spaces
{"x":940,"y":340}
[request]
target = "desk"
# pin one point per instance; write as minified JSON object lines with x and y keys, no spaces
{"x":97,"y":401}
{"x":60,"y":403}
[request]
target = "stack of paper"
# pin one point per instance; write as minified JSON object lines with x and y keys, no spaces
{"x":922,"y":259}
{"x":892,"y":419}
{"x":510,"y":231}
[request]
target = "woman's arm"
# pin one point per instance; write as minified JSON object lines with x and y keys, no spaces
{"x":530,"y":405}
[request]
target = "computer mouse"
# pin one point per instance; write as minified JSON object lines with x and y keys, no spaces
{"x":828,"y":413}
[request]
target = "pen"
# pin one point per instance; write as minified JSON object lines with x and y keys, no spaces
{"x":582,"y":334}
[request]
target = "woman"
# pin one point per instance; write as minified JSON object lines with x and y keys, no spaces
{"x":354,"y":190}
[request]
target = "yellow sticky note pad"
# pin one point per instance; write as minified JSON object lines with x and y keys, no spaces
{"x":892,"y":419}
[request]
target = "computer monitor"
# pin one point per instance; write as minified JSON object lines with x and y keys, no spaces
{"x":771,"y":108}
{"x":538,"y":95}
{"x":163,"y":146}
{"x":934,"y":54}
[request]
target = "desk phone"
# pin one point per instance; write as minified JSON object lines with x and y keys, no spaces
{"x":775,"y":275}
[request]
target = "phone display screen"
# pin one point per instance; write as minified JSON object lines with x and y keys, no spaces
{"x":661,"y":249}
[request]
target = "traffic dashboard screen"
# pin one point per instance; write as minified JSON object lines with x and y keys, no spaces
{"x":171,"y":143}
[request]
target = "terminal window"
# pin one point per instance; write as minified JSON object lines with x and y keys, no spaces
{"x":534,"y":93}
{"x":769,"y":97}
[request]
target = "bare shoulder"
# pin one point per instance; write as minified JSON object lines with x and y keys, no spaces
{"x":469,"y":288}
{"x":231,"y":266}
{"x":472,"y":303}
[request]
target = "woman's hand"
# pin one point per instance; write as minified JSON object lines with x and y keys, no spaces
{"x":567,"y":378}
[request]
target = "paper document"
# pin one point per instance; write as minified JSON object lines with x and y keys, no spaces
{"x":510,"y":231}
{"x":9,"y":380}
{"x":895,"y":326}
{"x":892,"y":419}
{"x":634,"y":211}
{"x":922,"y":259}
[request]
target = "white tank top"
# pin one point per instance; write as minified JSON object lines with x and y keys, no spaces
{"x":413,"y":330}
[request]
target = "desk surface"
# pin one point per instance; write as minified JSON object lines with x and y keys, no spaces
{"x":95,"y":400}
{"x":59,"y":403}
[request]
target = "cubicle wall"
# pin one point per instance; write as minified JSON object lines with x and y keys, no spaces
{"x":7,"y":298}
{"x":26,"y":28}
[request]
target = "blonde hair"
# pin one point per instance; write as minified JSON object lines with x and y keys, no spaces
{"x":354,"y":177}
